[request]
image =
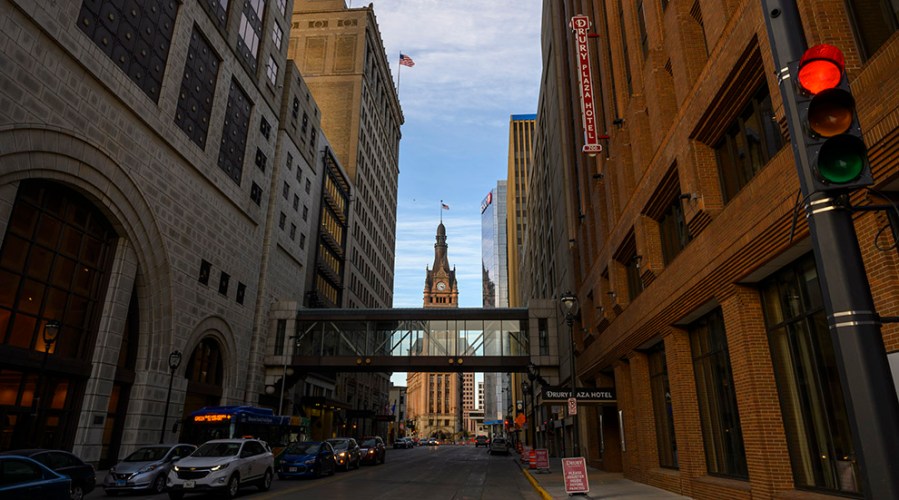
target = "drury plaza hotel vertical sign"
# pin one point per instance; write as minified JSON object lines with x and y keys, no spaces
{"x":580,"y":25}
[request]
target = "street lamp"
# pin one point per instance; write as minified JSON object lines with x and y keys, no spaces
{"x":569,"y":305}
{"x":50,"y":334}
{"x":174,"y":363}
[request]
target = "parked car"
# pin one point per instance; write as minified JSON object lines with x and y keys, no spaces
{"x":223,"y":465}
{"x":22,"y":478}
{"x":482,"y":441}
{"x":433,"y":442}
{"x":373,"y":450}
{"x":307,"y":459}
{"x":145,"y":469}
{"x":347,"y":452}
{"x":498,"y":445}
{"x":83,"y":476}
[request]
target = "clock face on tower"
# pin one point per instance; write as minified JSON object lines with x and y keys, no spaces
{"x":441,"y":286}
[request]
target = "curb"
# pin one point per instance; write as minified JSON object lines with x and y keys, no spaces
{"x":536,"y":485}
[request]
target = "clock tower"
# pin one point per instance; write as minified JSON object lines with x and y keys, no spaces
{"x":441,"y":288}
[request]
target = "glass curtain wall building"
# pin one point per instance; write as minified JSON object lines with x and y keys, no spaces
{"x":495,"y":282}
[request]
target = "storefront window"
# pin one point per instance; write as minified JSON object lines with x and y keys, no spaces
{"x":811,"y":398}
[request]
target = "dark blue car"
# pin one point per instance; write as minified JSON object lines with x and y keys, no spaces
{"x":22,"y":478}
{"x":307,"y":459}
{"x":82,"y":474}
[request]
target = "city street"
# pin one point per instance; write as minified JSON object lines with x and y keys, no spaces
{"x":444,"y":472}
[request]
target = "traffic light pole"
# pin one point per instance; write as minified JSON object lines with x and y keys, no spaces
{"x":854,"y":324}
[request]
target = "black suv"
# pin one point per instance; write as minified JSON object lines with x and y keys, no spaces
{"x":481,"y":441}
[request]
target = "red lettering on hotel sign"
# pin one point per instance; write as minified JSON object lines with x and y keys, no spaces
{"x":580,"y":25}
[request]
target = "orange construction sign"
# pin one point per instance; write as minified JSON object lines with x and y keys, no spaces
{"x":520,"y":419}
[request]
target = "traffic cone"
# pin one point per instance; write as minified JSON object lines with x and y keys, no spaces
{"x":532,"y":459}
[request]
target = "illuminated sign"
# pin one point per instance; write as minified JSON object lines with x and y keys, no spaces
{"x":487,"y":201}
{"x":214,"y":417}
{"x":580,"y":25}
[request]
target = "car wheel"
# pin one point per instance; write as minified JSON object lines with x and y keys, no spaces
{"x":176,"y":495}
{"x":333,"y":469}
{"x":317,"y":471}
{"x":233,"y":486}
{"x":158,"y":484}
{"x":266,"y":482}
{"x":110,"y":493}
{"x":77,"y":492}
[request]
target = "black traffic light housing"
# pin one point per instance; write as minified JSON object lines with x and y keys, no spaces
{"x":831,"y":138}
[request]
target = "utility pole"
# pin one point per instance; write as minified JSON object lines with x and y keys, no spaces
{"x":854,"y":324}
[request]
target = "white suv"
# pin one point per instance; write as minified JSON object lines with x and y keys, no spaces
{"x":223,"y":465}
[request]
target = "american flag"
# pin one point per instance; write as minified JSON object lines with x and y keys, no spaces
{"x":444,"y":206}
{"x":406,"y":60}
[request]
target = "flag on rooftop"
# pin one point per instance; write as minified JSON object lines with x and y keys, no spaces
{"x":406,"y":60}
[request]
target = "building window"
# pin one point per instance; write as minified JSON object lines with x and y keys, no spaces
{"x":264,"y":127}
{"x":543,"y":336}
{"x":626,"y":57}
{"x":644,"y":36}
{"x":234,"y":132}
{"x":223,"y":283}
{"x":271,"y":70}
{"x":282,"y":219}
{"x":634,"y":280}
{"x":874,"y":22}
{"x":305,"y":122}
{"x":285,"y":191}
{"x":673,"y":231}
{"x":241,"y":291}
{"x":295,"y":109}
{"x":277,"y":36}
{"x":217,"y":10}
{"x":250,"y":31}
{"x":205,"y":269}
{"x":197,"y":89}
{"x":289,"y":161}
{"x":302,"y":241}
{"x":721,"y":431}
{"x":296,"y":202}
{"x":135,"y":35}
{"x":282,"y":6}
{"x":256,"y":193}
{"x":280,"y":334}
{"x":661,"y":407}
{"x":751,"y":139}
{"x":305,"y":212}
{"x":811,"y":398}
{"x":293,"y":231}
{"x":308,"y":186}
{"x":260,"y":159}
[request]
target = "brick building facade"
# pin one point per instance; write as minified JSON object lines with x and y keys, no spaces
{"x":696,"y":303}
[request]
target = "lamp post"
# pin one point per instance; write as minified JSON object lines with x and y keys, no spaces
{"x":174,"y":363}
{"x":569,"y":305}
{"x":49,"y":335}
{"x":284,"y":373}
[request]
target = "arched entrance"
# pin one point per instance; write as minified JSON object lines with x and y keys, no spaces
{"x":204,"y":375}
{"x":54,"y":266}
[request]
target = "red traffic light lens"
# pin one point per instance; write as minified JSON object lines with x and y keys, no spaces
{"x":820,"y":68}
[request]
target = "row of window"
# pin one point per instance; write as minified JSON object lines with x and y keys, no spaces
{"x":224,"y":281}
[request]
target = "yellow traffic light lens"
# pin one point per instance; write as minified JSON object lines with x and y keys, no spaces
{"x":830,"y":112}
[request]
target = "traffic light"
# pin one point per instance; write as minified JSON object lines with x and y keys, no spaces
{"x":832,"y":138}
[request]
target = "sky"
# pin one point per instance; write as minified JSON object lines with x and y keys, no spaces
{"x":476,"y":63}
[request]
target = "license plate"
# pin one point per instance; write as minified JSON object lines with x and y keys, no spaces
{"x":190,"y":484}
{"x":291,"y":469}
{"x":120,"y":482}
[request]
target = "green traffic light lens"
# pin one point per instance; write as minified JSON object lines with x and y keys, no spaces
{"x":841,"y":159}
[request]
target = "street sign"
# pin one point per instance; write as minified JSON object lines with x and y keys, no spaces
{"x":542,"y":458}
{"x":575,"y":472}
{"x":572,"y":406}
{"x":582,"y":394}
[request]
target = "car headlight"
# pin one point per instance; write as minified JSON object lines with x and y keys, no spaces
{"x":371,"y":451}
{"x":342,"y":453}
{"x":112,"y":469}
{"x":148,"y":468}
{"x":176,"y":468}
{"x":220,"y":466}
{"x":282,"y":461}
{"x":310,"y":462}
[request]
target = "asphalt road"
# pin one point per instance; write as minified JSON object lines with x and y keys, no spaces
{"x":444,"y":472}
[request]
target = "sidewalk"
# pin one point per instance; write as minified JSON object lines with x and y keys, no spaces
{"x":602,"y":484}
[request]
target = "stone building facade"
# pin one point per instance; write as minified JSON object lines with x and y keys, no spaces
{"x":171,"y":158}
{"x":700,"y":299}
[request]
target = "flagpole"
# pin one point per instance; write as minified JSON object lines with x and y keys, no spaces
{"x":398,"y":73}
{"x":441,"y":211}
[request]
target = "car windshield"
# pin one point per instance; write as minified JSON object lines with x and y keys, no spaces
{"x":303,"y":448}
{"x":499,"y":440}
{"x":217,"y":450}
{"x":339,"y":444}
{"x":369,"y":443}
{"x":147,"y":454}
